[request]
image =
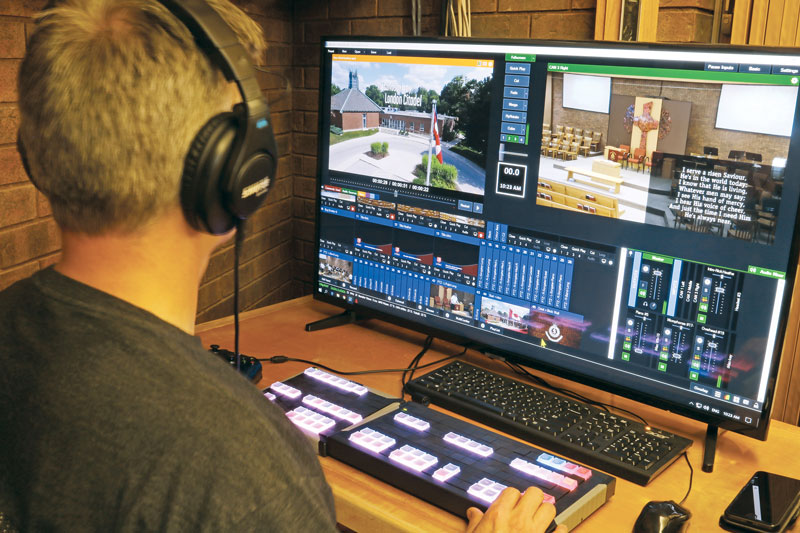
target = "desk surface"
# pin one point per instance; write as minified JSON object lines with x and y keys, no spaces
{"x":366,"y":504}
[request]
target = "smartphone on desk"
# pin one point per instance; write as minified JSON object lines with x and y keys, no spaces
{"x":768,"y":502}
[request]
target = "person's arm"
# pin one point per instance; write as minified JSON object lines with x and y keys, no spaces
{"x":513,"y":512}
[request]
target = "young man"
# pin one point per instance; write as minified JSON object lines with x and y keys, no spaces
{"x":112,"y":415}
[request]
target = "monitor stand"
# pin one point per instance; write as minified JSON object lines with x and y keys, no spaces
{"x":345,"y":317}
{"x":710,"y":448}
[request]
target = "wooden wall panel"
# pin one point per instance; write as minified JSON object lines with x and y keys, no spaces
{"x":789,"y":24}
{"x":772,"y":34}
{"x":786,"y":405}
{"x":611,"y":25}
{"x":758,"y":22}
{"x":648,"y":21}
{"x":600,"y":20}
{"x":741,"y":21}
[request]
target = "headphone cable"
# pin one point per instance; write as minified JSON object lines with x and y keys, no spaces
{"x":237,"y":249}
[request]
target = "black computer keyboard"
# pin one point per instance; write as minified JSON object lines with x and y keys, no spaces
{"x":582,"y":432}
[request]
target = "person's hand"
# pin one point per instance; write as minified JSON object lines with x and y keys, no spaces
{"x":513,"y":512}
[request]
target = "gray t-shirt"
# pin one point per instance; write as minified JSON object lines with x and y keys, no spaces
{"x":114,"y":420}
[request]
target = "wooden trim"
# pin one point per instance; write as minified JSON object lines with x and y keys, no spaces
{"x":611,"y":25}
{"x":648,"y":21}
{"x":789,"y":23}
{"x":741,"y":21}
{"x":599,"y":20}
{"x":786,"y":406}
{"x":772,"y":35}
{"x":758,"y":22}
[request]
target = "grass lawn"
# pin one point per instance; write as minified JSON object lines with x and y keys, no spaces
{"x":473,"y":155}
{"x":351,"y":135}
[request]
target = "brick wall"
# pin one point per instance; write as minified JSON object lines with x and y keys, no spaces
{"x":266,"y":263}
{"x":29,"y":238}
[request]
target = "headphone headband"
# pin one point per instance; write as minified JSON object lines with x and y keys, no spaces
{"x":232,"y":161}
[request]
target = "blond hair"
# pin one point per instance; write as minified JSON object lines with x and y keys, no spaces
{"x":111,"y":94}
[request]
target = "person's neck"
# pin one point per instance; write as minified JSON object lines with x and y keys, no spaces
{"x":157,"y":268}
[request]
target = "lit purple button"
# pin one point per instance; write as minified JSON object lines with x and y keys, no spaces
{"x":545,"y":474}
{"x":372,"y":440}
{"x":285,"y":390}
{"x":269,"y":396}
{"x":446,"y":472}
{"x":310,"y":420}
{"x":486,"y":490}
{"x":411,"y":421}
{"x":413,"y":458}
{"x":468,"y":444}
{"x":332,"y":409}
{"x":336,"y":381}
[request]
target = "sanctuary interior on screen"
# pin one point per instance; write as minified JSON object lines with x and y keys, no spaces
{"x":706,"y":157}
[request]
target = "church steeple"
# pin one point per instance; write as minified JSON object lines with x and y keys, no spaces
{"x":353,"y":80}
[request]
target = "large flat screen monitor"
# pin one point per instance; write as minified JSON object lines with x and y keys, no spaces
{"x":569,"y":206}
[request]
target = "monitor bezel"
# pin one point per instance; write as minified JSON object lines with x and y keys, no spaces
{"x":760,"y":431}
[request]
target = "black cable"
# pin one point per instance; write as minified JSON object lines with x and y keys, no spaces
{"x":691,"y":475}
{"x":237,"y":249}
{"x":278,"y":359}
{"x":287,"y":87}
{"x":412,"y":366}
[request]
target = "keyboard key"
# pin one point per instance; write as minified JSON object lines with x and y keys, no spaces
{"x":446,"y":472}
{"x":486,"y":490}
{"x":310,"y":420}
{"x":269,"y":396}
{"x":413,"y":458}
{"x":285,"y":390}
{"x":411,"y":421}
{"x":543,"y":473}
{"x":332,"y":409}
{"x":564,"y":466}
{"x":372,"y":440}
{"x":336,"y":381}
{"x":469,"y":444}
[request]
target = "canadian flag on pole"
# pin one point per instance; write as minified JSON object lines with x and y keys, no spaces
{"x":436,"y":136}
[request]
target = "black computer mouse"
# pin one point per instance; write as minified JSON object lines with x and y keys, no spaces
{"x":662,"y":517}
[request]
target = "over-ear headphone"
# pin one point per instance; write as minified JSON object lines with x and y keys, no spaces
{"x":232,"y":160}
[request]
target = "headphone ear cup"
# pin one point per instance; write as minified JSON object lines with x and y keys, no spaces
{"x":202,"y":181}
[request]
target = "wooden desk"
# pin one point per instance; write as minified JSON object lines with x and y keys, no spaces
{"x":365,"y":504}
{"x":573,"y":174}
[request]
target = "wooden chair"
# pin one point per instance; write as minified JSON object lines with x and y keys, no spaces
{"x":579,"y":132}
{"x":766,"y":221}
{"x":569,"y":129}
{"x":585,"y":146}
{"x":551,"y":148}
{"x":572,"y":153}
{"x":636,"y":158}
{"x":545,"y":126}
{"x":743,"y":229}
{"x":626,"y":153}
{"x":559,"y":128}
{"x":561,"y":151}
{"x":596,"y":138}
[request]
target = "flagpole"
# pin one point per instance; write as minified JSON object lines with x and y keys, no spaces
{"x":430,"y":145}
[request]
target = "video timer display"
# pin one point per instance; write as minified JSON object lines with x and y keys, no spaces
{"x":627,"y":219}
